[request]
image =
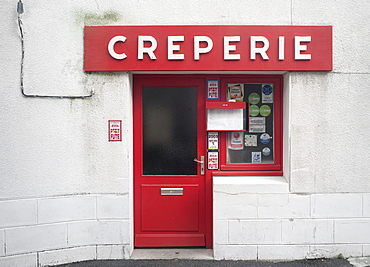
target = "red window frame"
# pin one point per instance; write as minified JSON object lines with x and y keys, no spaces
{"x":260,"y":168}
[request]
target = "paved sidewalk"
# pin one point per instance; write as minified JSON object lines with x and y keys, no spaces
{"x":209,"y":263}
{"x":204,"y":258}
{"x":360,"y":261}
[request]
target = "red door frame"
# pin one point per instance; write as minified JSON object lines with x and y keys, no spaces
{"x":200,"y":80}
{"x":163,"y":238}
{"x":256,"y":169}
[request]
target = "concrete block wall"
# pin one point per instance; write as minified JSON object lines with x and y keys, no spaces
{"x":57,"y":230}
{"x":280,"y":225}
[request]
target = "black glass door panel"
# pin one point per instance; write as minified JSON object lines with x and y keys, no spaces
{"x":169,"y":130}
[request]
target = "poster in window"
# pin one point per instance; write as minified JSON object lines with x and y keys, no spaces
{"x":236,"y":140}
{"x":267,"y":93}
{"x":256,"y":157}
{"x":235,"y":92}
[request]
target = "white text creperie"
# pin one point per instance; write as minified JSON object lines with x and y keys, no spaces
{"x":229,"y":45}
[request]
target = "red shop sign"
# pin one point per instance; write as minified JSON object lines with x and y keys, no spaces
{"x":208,"y":47}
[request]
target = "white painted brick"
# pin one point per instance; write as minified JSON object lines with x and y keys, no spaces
{"x":255,"y":232}
{"x":282,"y":252}
{"x":250,"y":184}
{"x":18,"y":213}
{"x":127,"y":250}
{"x":235,"y":206}
{"x":113,"y":207}
{"x":283,"y":206}
{"x":352,"y":231}
{"x":2,"y":243}
{"x":111,"y":252}
{"x":366,"y":204}
{"x":220,"y":232}
{"x":35,"y":238}
{"x":307,"y":231}
{"x":68,"y":255}
{"x":63,"y":209}
{"x":98,"y":233}
{"x":366,"y":250}
{"x":25,"y":260}
{"x":332,"y":251}
{"x":235,"y":252}
{"x":336,"y":205}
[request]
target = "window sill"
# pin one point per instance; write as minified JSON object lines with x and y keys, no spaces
{"x":250,"y":184}
{"x":247,"y":173}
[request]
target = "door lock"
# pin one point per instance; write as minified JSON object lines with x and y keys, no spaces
{"x":201,"y":162}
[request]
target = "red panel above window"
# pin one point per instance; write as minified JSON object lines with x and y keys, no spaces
{"x":207,"y":48}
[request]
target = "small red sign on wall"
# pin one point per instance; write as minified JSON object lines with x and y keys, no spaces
{"x":208,"y":47}
{"x":115,"y":130}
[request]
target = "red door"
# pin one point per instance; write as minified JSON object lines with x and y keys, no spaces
{"x":172,"y":196}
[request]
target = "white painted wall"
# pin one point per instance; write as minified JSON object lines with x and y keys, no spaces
{"x":329,"y":128}
{"x":55,"y":158}
{"x":328,"y":110}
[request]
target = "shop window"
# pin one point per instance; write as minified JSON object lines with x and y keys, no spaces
{"x":256,"y":149}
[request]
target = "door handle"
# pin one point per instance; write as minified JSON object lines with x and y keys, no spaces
{"x":201,"y":162}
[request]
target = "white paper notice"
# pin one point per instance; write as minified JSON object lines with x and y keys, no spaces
{"x":212,"y":160}
{"x":224,"y":119}
{"x":213,"y":140}
{"x":212,"y":89}
{"x":257,"y":128}
{"x":257,"y":120}
{"x":257,"y":124}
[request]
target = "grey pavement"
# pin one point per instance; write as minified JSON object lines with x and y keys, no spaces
{"x":360,"y":261}
{"x":208,"y":263}
{"x":204,"y":257}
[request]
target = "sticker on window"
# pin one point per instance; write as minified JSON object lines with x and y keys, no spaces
{"x":236,"y":140}
{"x":265,"y":138}
{"x":250,"y":140}
{"x":256,"y":157}
{"x":254,"y":98}
{"x":265,"y":110}
{"x":266,"y":151}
